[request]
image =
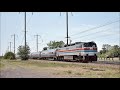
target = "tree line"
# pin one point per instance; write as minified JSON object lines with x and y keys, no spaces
{"x":109,"y":51}
{"x":24,"y":54}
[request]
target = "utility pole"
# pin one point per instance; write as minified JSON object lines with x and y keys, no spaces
{"x":119,"y":34}
{"x":25,"y":35}
{"x":0,"y":33}
{"x":67,"y":25}
{"x":14,"y":42}
{"x":37,"y":41}
{"x":10,"y":46}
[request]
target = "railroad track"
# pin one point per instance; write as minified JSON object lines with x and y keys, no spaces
{"x":96,"y":62}
{"x":107,"y":62}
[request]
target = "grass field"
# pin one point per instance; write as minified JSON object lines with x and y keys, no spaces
{"x":1,"y":65}
{"x":64,"y":69}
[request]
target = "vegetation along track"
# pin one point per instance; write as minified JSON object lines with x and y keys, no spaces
{"x":56,"y":69}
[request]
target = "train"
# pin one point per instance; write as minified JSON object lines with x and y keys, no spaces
{"x":78,"y":51}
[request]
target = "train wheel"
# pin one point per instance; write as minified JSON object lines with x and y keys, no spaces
{"x":62,"y":58}
{"x":80,"y":60}
{"x":85,"y":61}
{"x":54,"y":59}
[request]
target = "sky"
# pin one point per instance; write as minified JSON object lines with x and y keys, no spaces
{"x":52,"y":26}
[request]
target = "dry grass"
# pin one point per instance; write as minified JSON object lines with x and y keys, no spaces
{"x":1,"y":65}
{"x":70,"y":69}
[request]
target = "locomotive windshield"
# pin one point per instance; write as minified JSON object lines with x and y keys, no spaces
{"x":90,"y":44}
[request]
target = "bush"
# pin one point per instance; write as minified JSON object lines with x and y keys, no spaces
{"x":23,"y":57}
{"x":23,"y":54}
{"x":9,"y":55}
{"x":1,"y":57}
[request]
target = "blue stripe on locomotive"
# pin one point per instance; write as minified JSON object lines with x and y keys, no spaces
{"x":86,"y":50}
{"x":82,"y":51}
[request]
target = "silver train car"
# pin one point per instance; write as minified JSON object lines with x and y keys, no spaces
{"x":79,"y":51}
{"x":34,"y":55}
{"x":48,"y":54}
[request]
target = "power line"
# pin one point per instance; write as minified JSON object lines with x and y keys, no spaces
{"x":101,"y":36}
{"x":91,"y":33}
{"x":29,"y":19}
{"x":108,"y":23}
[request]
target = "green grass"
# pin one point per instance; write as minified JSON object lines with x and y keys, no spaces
{"x":1,"y":65}
{"x":57,"y":64}
{"x":39,"y":64}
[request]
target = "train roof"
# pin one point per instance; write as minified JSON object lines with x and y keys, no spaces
{"x":50,"y":50}
{"x":35,"y":52}
{"x":76,"y":43}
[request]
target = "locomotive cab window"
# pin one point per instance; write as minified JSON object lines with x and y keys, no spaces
{"x":90,"y":44}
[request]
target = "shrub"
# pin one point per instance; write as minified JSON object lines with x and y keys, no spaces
{"x":24,"y":53}
{"x":9,"y":55}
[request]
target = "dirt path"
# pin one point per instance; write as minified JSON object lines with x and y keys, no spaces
{"x":20,"y":71}
{"x":16,"y":71}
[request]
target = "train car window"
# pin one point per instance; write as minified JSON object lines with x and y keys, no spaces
{"x":86,"y":45}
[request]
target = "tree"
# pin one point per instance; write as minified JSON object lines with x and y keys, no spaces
{"x":55,"y":44}
{"x":22,"y":53}
{"x":9,"y":55}
{"x":106,"y":48}
{"x":116,"y":50}
{"x":110,"y":51}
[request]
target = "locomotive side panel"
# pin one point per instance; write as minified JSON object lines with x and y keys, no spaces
{"x":82,"y":51}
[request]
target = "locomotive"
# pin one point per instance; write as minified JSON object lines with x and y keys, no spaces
{"x":78,"y":51}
